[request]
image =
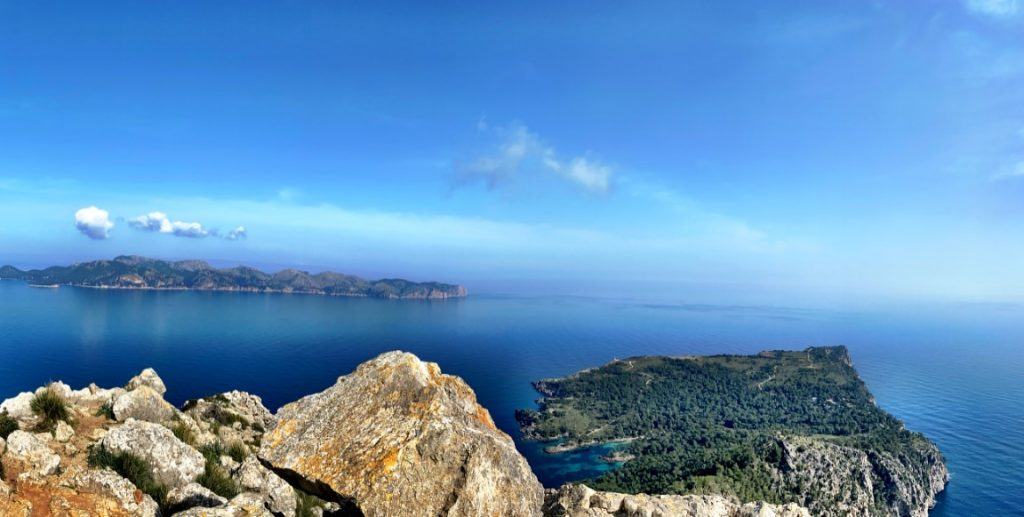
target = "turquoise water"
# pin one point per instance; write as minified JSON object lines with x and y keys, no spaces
{"x":955,"y":373}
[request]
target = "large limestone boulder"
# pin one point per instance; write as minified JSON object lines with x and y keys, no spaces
{"x":277,"y":494}
{"x":19,"y":407}
{"x":148,"y":378}
{"x":29,"y":455}
{"x":398,"y":437}
{"x":109,"y":483}
{"x":143,"y":403}
{"x":580,"y":501}
{"x":174,"y":463}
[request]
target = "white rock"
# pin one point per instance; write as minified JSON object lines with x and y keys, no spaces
{"x":63,"y":432}
{"x":143,"y":403}
{"x":61,"y":389}
{"x":94,"y":395}
{"x":108,"y":482}
{"x":173,"y":462}
{"x":28,"y":449}
{"x":148,"y":377}
{"x":18,"y":407}
{"x":193,"y":495}
{"x":243,"y":505}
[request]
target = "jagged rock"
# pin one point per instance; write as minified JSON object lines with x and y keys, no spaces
{"x":109,"y":483}
{"x":93,"y":395}
{"x":143,"y":403}
{"x":397,"y":437}
{"x":174,"y":463}
{"x":194,"y":495}
{"x":243,"y":505}
{"x":19,"y":407}
{"x":149,"y":378}
{"x":236,"y":415}
{"x":278,"y":495}
{"x":63,"y":432}
{"x":32,"y":456}
{"x":574,"y":500}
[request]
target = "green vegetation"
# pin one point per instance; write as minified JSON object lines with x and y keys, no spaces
{"x":132,"y":468}
{"x":238,"y":451}
{"x":51,"y":408}
{"x":719,"y":424}
{"x":106,"y":411}
{"x":7,"y":425}
{"x":184,"y":433}
{"x":214,"y":477}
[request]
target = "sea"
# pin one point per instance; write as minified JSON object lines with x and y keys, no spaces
{"x":954,"y":372}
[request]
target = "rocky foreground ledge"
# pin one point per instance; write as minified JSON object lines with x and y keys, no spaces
{"x":396,"y":437}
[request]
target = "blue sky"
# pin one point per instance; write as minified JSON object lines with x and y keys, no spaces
{"x":870,"y":149}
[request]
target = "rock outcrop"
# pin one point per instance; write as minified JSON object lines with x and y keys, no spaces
{"x":398,"y":437}
{"x":29,"y":455}
{"x":143,"y":403}
{"x":576,"y":500}
{"x":148,"y":377}
{"x":174,"y":463}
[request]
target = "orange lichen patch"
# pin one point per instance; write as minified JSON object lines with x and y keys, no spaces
{"x":281,"y":431}
{"x":46,"y":499}
{"x":484,"y":417}
{"x":391,"y":461}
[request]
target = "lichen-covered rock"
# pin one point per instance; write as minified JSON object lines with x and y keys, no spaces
{"x":278,"y":495}
{"x":143,"y":403}
{"x":173,"y":462}
{"x":574,"y":500}
{"x":147,"y":377}
{"x":63,"y":432}
{"x":19,"y":407}
{"x":29,"y":455}
{"x":243,"y":505}
{"x":398,"y":437}
{"x":109,"y":483}
{"x":234,"y":416}
{"x":194,"y":495}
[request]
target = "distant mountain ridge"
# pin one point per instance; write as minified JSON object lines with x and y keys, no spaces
{"x":135,"y":272}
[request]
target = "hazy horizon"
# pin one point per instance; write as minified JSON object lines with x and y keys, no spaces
{"x":791,"y":151}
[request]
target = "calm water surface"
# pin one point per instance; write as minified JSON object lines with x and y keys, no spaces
{"x":953,"y":373}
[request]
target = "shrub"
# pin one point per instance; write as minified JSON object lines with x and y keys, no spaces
{"x":7,"y":425}
{"x":132,"y":468}
{"x":50,"y":407}
{"x":213,"y":476}
{"x":238,"y":451}
{"x":106,"y":410}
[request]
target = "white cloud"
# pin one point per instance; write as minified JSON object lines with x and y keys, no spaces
{"x":159,"y":222}
{"x":237,"y":234}
{"x":93,"y":222}
{"x":996,"y":8}
{"x":518,"y":149}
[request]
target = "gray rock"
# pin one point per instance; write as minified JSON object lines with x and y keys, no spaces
{"x":143,"y":403}
{"x":173,"y":462}
{"x":194,"y":495}
{"x":109,"y":483}
{"x":93,"y":395}
{"x":574,"y":500}
{"x":398,"y":437}
{"x":277,"y":494}
{"x":243,"y":505}
{"x":35,"y":458}
{"x":149,"y":378}
{"x":234,"y":415}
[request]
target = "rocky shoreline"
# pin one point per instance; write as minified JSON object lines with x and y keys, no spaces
{"x":395,"y":437}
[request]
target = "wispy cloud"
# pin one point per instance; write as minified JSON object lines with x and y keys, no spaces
{"x":519,"y":150}
{"x":93,"y":222}
{"x":159,"y":222}
{"x":995,"y":8}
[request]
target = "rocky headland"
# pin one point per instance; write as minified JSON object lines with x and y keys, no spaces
{"x":134,"y":272}
{"x":395,"y":437}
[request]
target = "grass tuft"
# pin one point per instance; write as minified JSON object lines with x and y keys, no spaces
{"x":184,"y":433}
{"x":132,"y":468}
{"x":307,"y":504}
{"x":7,"y":425}
{"x":238,"y":451}
{"x":213,"y":476}
{"x":51,"y":408}
{"x":106,"y":411}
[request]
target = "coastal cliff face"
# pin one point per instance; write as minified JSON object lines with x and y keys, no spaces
{"x":132,"y":272}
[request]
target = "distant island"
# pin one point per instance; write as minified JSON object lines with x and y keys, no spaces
{"x":134,"y":272}
{"x":781,"y":426}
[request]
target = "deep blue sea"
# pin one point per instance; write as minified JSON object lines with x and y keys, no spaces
{"x":955,"y":373}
